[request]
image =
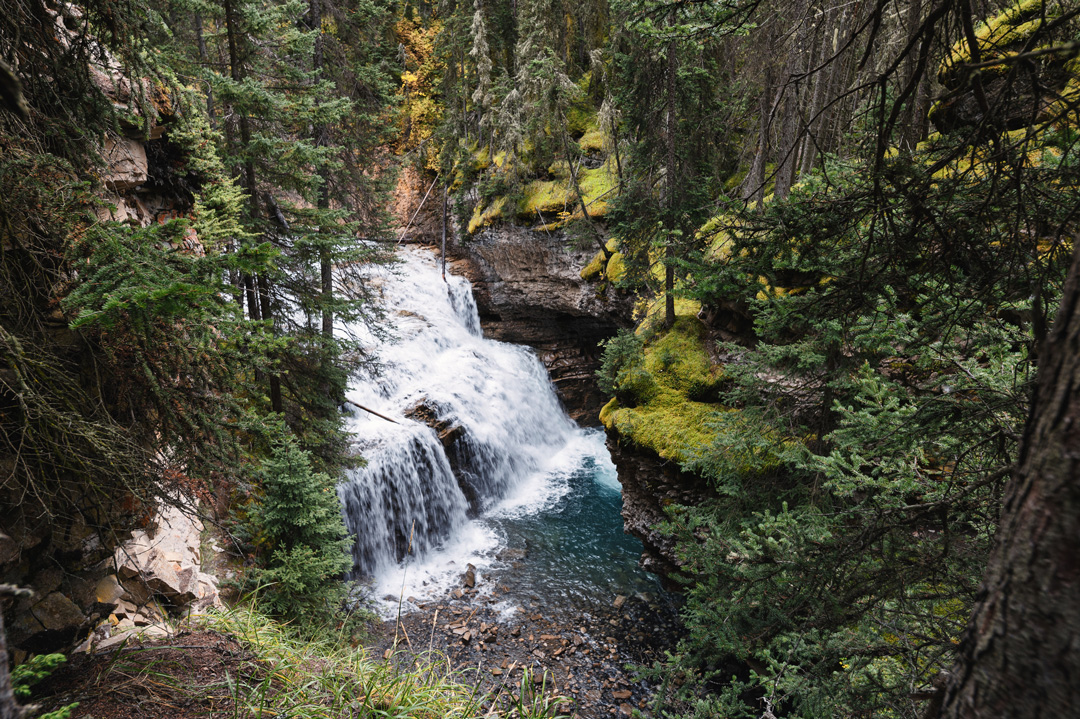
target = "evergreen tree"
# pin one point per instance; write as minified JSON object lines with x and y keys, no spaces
{"x":666,"y":83}
{"x":298,"y":532}
{"x":299,"y":105}
{"x":482,"y":97}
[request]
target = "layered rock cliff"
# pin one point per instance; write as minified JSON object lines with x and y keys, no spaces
{"x":529,"y":290}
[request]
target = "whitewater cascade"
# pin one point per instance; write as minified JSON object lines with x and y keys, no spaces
{"x":513,"y":433}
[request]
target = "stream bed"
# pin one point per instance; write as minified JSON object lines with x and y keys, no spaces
{"x":488,"y":523}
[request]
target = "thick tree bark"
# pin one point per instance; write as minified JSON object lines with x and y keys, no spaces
{"x":1021,"y":655}
{"x":791,"y":129}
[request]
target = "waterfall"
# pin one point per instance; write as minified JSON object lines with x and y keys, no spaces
{"x":500,"y":425}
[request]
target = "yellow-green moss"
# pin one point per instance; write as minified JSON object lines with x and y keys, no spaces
{"x":544,"y":196}
{"x":654,"y":312}
{"x":1012,"y":26}
{"x":594,"y":268}
{"x":672,"y":422}
{"x":481,"y":157}
{"x":594,"y":140}
{"x":598,"y":186}
{"x":560,"y":169}
{"x":484,"y":215}
{"x":678,"y":360}
{"x":607,"y":413}
{"x":549,"y":198}
{"x":579,"y":117}
{"x":597,"y":264}
{"x":616,"y":267}
{"x":717,"y":232}
{"x":670,"y":425}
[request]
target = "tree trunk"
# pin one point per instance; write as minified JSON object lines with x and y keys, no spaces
{"x":267,"y":314}
{"x":911,"y":122}
{"x":790,"y":130}
{"x":822,"y":80}
{"x":320,"y":131}
{"x":754,"y":184}
{"x":9,"y":708}
{"x":669,"y":180}
{"x":1021,"y":654}
{"x":236,"y":71}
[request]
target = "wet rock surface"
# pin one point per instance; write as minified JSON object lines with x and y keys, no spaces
{"x":648,"y":485}
{"x":588,"y":655}
{"x":529,"y":291}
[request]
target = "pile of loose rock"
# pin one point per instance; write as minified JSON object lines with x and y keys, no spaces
{"x":158,"y":579}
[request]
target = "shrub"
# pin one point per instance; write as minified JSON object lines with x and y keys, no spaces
{"x":623,"y":353}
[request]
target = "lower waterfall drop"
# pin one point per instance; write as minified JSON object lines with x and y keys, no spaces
{"x":479,"y":448}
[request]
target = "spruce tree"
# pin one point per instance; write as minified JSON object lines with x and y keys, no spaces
{"x":300,"y":93}
{"x":298,"y":531}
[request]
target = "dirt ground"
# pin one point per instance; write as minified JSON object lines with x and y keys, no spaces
{"x":587,"y":658}
{"x":181,"y":677}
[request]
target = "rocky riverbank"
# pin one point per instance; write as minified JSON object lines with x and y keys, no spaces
{"x":591,"y":656}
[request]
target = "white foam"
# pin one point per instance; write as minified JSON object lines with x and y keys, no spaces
{"x":518,"y":448}
{"x":439,"y":571}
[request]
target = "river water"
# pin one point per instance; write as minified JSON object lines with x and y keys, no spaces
{"x":536,"y":510}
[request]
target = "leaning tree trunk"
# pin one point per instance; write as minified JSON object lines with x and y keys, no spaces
{"x":1021,"y":655}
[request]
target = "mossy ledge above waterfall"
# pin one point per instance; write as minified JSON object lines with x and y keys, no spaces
{"x":659,"y":421}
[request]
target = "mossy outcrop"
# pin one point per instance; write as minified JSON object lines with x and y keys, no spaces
{"x":663,"y":400}
{"x":659,"y":421}
{"x":551,"y":202}
{"x":998,"y":92}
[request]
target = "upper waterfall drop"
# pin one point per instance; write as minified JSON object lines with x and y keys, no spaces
{"x":509,"y":434}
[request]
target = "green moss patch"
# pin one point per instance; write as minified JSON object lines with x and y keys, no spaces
{"x":616,"y":267}
{"x":547,"y":197}
{"x":678,"y":360}
{"x":612,"y":268}
{"x":598,"y":186}
{"x":483,"y":215}
{"x":670,"y":425}
{"x":593,"y":140}
{"x":670,"y":418}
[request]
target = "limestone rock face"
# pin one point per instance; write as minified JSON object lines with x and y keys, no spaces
{"x":529,"y":291}
{"x":127,"y":163}
{"x":165,"y":561}
{"x":649,"y":484}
